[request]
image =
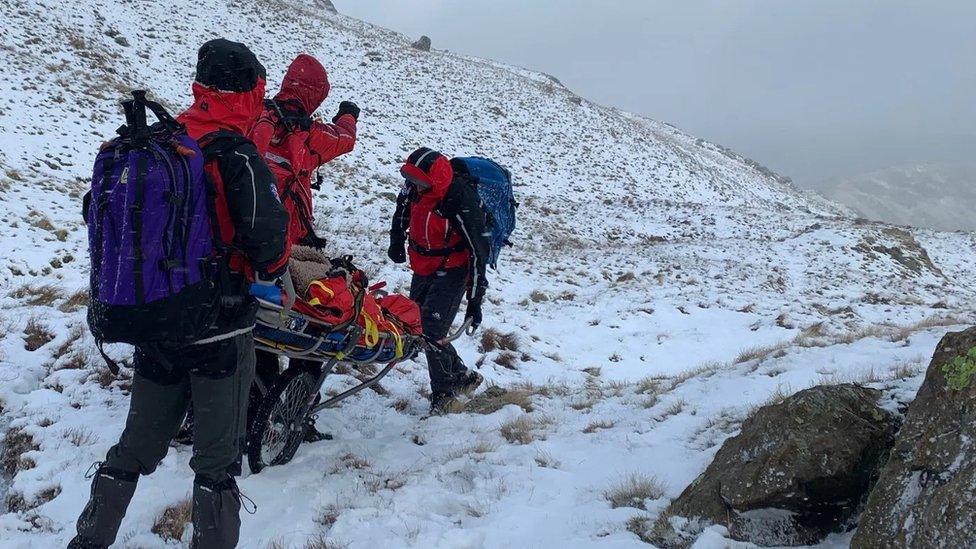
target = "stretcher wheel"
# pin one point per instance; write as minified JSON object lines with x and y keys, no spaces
{"x":278,"y":426}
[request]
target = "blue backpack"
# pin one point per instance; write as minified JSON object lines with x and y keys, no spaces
{"x":494,"y":186}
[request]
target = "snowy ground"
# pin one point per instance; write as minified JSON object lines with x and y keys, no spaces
{"x":661,"y":288}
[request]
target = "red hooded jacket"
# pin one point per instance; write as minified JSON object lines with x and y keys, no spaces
{"x":428,"y":230}
{"x":214,"y":110}
{"x":440,"y":216}
{"x":249,"y":214}
{"x":227,"y":96}
{"x":294,"y":145}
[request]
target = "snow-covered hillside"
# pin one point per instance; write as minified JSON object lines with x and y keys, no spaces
{"x":661,"y":287}
{"x":938,"y":196}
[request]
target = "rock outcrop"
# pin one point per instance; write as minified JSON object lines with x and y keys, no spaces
{"x":926,"y":494}
{"x":423,"y":44}
{"x":326,"y":5}
{"x":798,"y":470}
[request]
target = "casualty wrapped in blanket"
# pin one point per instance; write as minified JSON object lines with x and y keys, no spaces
{"x":336,"y":292}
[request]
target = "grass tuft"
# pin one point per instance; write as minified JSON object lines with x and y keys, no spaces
{"x":546,"y":460}
{"x":45,"y":294}
{"x":79,"y":436}
{"x":507,"y":360}
{"x":171,"y":523}
{"x":776,"y":397}
{"x":675,"y":408}
{"x":495,"y":398}
{"x":329,"y":514}
{"x":904,"y":370}
{"x":36,"y":335}
{"x":759,"y":352}
{"x":320,"y":541}
{"x":595,"y":426}
{"x":350,"y":461}
{"x":492,"y":340}
{"x":634,"y":491}
{"x":479,"y":448}
{"x":522,"y":430}
{"x":75,"y":302}
{"x":16,"y":443}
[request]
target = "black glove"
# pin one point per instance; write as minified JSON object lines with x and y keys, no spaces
{"x":313,"y":240}
{"x":473,"y":312}
{"x":264,"y":276}
{"x":346,"y":107}
{"x":396,"y":253}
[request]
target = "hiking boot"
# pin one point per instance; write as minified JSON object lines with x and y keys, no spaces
{"x":311,"y":434}
{"x":443,"y":403}
{"x":99,"y":522}
{"x":446,"y":402}
{"x":79,"y":542}
{"x":216,"y":514}
{"x":469,"y":383}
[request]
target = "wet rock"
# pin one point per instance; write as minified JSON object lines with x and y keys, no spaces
{"x":926,"y":493}
{"x":423,"y":44}
{"x":798,"y":471}
{"x":326,"y":5}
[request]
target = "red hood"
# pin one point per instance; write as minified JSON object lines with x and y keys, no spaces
{"x":439,"y":177}
{"x":306,"y":82}
{"x":214,"y":110}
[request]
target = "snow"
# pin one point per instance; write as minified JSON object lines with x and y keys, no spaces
{"x":644,"y":258}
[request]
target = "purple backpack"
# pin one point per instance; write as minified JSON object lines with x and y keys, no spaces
{"x":153,"y":261}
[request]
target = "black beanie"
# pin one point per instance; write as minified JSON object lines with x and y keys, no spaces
{"x":228,"y":66}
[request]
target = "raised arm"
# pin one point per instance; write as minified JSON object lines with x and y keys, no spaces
{"x":327,"y":141}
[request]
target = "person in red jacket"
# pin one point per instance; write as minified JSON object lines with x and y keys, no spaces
{"x":295,"y":145}
{"x":215,"y":372}
{"x":444,"y":224}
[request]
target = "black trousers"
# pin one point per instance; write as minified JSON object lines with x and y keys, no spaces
{"x":439,"y":296}
{"x":215,"y":377}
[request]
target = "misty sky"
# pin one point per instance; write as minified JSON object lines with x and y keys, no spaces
{"x":812,"y":88}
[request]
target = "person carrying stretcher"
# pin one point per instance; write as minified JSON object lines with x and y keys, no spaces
{"x":442,"y":226}
{"x":295,"y":145}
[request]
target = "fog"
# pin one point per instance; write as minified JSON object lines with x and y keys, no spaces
{"x":815,"y":89}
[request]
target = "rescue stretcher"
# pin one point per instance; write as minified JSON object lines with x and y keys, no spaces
{"x":277,"y":428}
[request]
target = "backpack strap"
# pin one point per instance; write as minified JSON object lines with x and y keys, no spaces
{"x":213,"y":145}
{"x":136,"y":128}
{"x":290,"y":118}
{"x":158,"y":111}
{"x":112,"y":365}
{"x":139,"y":185}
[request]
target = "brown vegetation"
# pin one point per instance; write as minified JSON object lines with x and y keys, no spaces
{"x":171,"y":523}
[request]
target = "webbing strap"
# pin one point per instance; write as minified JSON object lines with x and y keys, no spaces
{"x":437,"y":252}
{"x":397,"y":339}
{"x":112,"y":365}
{"x":139,"y":192}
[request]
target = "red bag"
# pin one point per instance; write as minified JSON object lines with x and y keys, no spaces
{"x":404,"y":311}
{"x":329,"y":300}
{"x":372,"y":321}
{"x":333,"y":300}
